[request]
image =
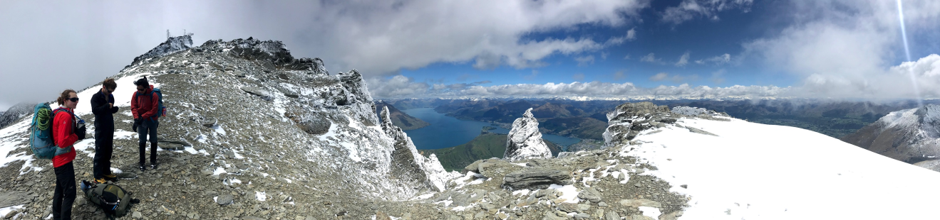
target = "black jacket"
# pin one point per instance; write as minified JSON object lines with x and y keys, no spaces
{"x":104,"y":121}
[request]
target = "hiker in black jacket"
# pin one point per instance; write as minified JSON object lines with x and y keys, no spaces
{"x":102,"y":105}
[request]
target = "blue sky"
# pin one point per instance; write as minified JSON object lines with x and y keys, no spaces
{"x":701,"y":38}
{"x":830,"y":49}
{"x":782,"y":48}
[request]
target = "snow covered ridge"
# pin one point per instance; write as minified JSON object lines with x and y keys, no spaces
{"x":734,"y":169}
{"x":911,"y":135}
{"x":525,"y":140}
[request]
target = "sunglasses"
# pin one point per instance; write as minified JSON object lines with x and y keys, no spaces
{"x":73,"y":99}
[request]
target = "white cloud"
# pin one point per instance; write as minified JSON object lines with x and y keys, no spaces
{"x":584,"y":61}
{"x":595,"y":90}
{"x":894,"y":84}
{"x":627,"y":57}
{"x":846,"y":48}
{"x":604,"y":55}
{"x":683,"y":60}
{"x":631,"y":34}
{"x":376,"y":37}
{"x":675,"y":78}
{"x":659,"y":77}
{"x":717,"y":60}
{"x":691,"y":9}
{"x":651,"y":58}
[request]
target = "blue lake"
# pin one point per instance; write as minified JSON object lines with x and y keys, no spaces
{"x":446,"y":131}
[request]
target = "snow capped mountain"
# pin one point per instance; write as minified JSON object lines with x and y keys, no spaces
{"x":15,"y":112}
{"x":525,"y":140}
{"x":911,"y":135}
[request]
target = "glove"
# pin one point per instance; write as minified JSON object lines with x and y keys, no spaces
{"x":114,"y":109}
{"x":80,"y":132}
{"x":136,"y":123}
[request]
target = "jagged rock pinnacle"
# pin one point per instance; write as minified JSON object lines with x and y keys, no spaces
{"x":525,"y":140}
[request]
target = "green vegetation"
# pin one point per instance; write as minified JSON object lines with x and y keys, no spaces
{"x":484,"y":146}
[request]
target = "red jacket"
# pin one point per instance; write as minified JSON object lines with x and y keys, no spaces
{"x":145,"y":105}
{"x":64,"y":136}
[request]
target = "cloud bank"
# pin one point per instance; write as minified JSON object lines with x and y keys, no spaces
{"x":848,"y":49}
{"x":926,"y":70}
{"x":379,"y":38}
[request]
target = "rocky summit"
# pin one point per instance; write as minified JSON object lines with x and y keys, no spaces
{"x":525,"y":140}
{"x":253,"y":133}
{"x":250,"y":132}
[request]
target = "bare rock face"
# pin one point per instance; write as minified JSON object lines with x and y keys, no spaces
{"x":525,"y":140}
{"x":911,"y":135}
{"x":408,"y":164}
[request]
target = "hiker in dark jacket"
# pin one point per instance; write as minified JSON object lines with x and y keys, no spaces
{"x":102,"y":105}
{"x":65,"y":135}
{"x":144,"y":106}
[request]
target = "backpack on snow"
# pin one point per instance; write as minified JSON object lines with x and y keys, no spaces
{"x":112,"y":199}
{"x":41,"y":140}
{"x":161,"y":109}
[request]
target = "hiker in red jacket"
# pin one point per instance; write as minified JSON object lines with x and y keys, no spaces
{"x":65,"y":133}
{"x":144,"y":106}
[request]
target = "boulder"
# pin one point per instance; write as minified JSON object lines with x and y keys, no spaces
{"x":590,"y":194}
{"x":536,"y":178}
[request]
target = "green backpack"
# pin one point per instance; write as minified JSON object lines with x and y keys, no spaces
{"x":112,"y":199}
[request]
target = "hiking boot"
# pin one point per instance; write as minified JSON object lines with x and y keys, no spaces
{"x":153,"y":166}
{"x":142,"y":168}
{"x":110,"y":176}
{"x":100,"y":180}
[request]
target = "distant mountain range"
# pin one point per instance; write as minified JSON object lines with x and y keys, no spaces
{"x":587,"y":119}
{"x":15,"y":112}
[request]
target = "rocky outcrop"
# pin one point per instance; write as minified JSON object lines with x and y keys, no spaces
{"x":525,"y":140}
{"x":628,"y":119}
{"x":409,"y":165}
{"x":171,"y":45}
{"x":536,"y":178}
{"x":911,"y":135}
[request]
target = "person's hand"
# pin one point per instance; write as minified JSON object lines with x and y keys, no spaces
{"x":81,"y":131}
{"x":136,"y":123}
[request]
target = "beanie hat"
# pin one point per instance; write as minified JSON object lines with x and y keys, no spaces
{"x":142,"y":82}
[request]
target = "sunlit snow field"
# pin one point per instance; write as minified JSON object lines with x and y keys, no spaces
{"x":757,"y":171}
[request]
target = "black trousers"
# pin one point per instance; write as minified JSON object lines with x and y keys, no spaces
{"x":104,"y":148}
{"x":64,"y":194}
{"x":147,"y":128}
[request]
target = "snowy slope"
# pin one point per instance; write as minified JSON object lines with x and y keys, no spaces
{"x":757,"y":171}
